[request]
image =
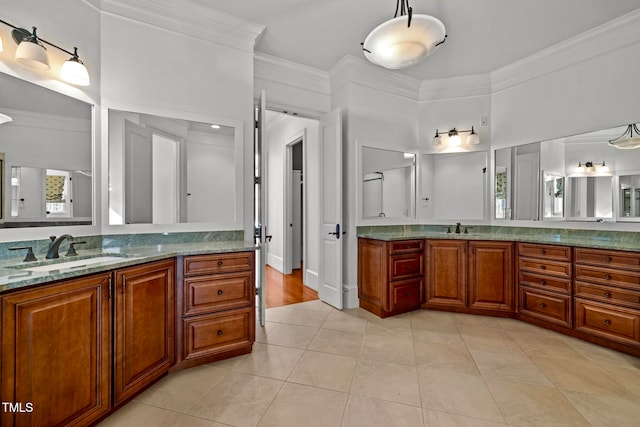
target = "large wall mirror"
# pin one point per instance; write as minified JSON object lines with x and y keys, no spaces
{"x":576,"y":178}
{"x":165,"y":170}
{"x":46,"y":157}
{"x":388,"y":183}
{"x":453,"y":186}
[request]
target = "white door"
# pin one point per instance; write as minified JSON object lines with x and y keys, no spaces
{"x":260,"y":199}
{"x":330,"y":204}
{"x":138,"y":208}
{"x":526,"y":186}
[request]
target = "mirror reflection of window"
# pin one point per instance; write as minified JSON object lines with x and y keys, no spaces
{"x":553,"y":198}
{"x":58,"y":193}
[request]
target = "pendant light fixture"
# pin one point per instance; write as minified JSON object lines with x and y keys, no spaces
{"x":32,"y":53}
{"x":404,"y":40}
{"x":628,"y":140}
{"x":5,"y":119}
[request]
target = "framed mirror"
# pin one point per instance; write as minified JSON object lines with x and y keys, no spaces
{"x":47,"y":174}
{"x":629,"y":197}
{"x":454,"y":186}
{"x":168,"y":170}
{"x":388,"y":183}
{"x":517,"y":182}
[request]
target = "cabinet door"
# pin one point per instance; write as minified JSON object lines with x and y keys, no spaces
{"x":372,"y":275}
{"x":491,"y":275}
{"x":144,"y":344}
{"x":447,"y":273}
{"x":55,"y":353}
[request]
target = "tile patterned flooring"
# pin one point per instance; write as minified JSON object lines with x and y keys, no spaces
{"x":313,"y":365}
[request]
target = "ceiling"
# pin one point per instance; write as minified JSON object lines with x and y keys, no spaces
{"x":483,"y":35}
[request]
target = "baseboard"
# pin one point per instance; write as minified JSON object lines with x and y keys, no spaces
{"x":311,"y":279}
{"x":276,"y":262}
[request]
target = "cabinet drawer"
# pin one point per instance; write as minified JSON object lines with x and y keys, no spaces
{"x":218,"y":263}
{"x":549,"y":283}
{"x":556,"y":253}
{"x":216,"y":333}
{"x":553,"y":268}
{"x":608,"y":276}
{"x":606,"y":258}
{"x":546,"y":305}
{"x":608,"y":294}
{"x":218,"y":292}
{"x":406,"y":294}
{"x":406,"y":246}
{"x":401,"y":266}
{"x":608,"y":321}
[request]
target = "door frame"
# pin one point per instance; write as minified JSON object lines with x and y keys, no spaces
{"x":287,"y":247}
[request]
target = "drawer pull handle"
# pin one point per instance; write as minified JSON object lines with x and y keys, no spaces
{"x":406,"y":246}
{"x":543,"y":305}
{"x":607,"y":294}
{"x":607,"y":322}
{"x":219,"y":332}
{"x":543,"y":282}
{"x":542,"y":267}
{"x":607,"y":258}
{"x":219,"y":263}
{"x":542,"y":251}
{"x":220,"y":292}
{"x":607,"y":276}
{"x":407,"y":294}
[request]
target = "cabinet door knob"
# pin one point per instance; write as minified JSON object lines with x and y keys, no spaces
{"x":543,"y":282}
{"x":220,"y":292}
{"x":607,"y":322}
{"x":219,"y":332}
{"x":542,"y":267}
{"x":607,"y":294}
{"x":542,"y":251}
{"x":542,"y":305}
{"x":607,"y":258}
{"x":607,"y":276}
{"x":219,"y":263}
{"x":407,"y":294}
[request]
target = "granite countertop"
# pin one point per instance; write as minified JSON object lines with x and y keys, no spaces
{"x":616,"y":241}
{"x":13,"y":275}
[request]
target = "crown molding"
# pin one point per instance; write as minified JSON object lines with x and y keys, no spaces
{"x":455,"y":87}
{"x":55,"y":122}
{"x":188,"y":18}
{"x":272,"y":68}
{"x":615,"y":34}
{"x":356,"y":70}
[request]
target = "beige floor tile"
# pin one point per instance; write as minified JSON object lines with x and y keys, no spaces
{"x":445,"y":419}
{"x":628,"y":377}
{"x":304,"y":317}
{"x":509,"y":366}
{"x":377,"y":348}
{"x":315,"y":305}
{"x":295,"y":336}
{"x":475,"y":320}
{"x":516,"y":325}
{"x":344,"y":321}
{"x":387,"y":381}
{"x":458,"y":393}
{"x":488,"y":339}
{"x":392,"y":327}
{"x":420,"y":318}
{"x":324,"y":370}
{"x":604,"y":411}
{"x":437,"y":332}
{"x":534,"y":343}
{"x":269,"y":361}
{"x":135,"y":414}
{"x":603,"y":355}
{"x":300,"y":405}
{"x":529,"y":405}
{"x":445,"y":356}
{"x":276,"y":314}
{"x":241,"y":400}
{"x":262,"y":332}
{"x":337,"y":342}
{"x":180,"y":390}
{"x":581,"y":376}
{"x":365,"y":411}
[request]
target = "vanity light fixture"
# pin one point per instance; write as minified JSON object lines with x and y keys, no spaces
{"x":32,"y":53}
{"x":628,"y":140}
{"x":590,"y":168}
{"x":404,"y":40}
{"x":454,"y":138}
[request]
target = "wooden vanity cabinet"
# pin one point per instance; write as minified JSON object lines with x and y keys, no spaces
{"x":390,"y":275}
{"x":470,"y":276}
{"x":607,"y":295}
{"x":217,"y":307}
{"x":56,"y":353}
{"x":544,"y":284}
{"x":144,"y":336}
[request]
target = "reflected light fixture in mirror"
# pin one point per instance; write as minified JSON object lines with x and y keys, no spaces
{"x":404,"y":40}
{"x":454,"y":138}
{"x":590,"y":168}
{"x":627,"y":140}
{"x":5,"y":119}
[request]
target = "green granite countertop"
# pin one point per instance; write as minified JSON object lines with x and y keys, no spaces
{"x":618,"y":240}
{"x":13,"y":275}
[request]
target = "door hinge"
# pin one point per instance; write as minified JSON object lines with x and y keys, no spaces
{"x":257,"y":291}
{"x":256,"y":180}
{"x":256,"y":124}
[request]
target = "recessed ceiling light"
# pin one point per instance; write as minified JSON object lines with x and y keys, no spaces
{"x":215,"y":126}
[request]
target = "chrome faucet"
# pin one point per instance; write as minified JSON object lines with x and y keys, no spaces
{"x":54,"y":246}
{"x":458,"y":228}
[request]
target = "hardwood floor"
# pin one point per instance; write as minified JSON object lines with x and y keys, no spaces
{"x":285,"y":289}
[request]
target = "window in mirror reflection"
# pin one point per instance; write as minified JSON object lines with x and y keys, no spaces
{"x":165,"y":170}
{"x":553,"y":202}
{"x":388,"y":183}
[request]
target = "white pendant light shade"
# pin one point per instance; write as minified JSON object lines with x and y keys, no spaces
{"x":473,"y":138}
{"x":629,"y":140}
{"x":1,"y":44}
{"x":395,"y":45}
{"x":454,"y":138}
{"x":5,"y":119}
{"x":437,"y":140}
{"x":73,"y":71}
{"x":32,"y":54}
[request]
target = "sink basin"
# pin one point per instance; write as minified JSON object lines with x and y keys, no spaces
{"x":73,"y":265}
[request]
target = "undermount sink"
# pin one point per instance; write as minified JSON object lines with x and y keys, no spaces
{"x":75,"y":264}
